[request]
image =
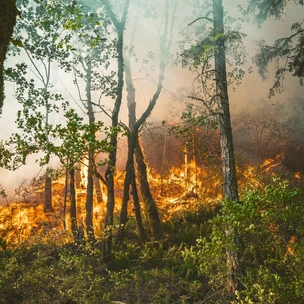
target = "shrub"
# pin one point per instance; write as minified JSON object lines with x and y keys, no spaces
{"x":269,"y":228}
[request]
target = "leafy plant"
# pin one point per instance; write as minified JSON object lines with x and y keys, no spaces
{"x":268,"y":223}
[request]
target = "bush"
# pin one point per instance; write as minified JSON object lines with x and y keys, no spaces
{"x":269,"y":228}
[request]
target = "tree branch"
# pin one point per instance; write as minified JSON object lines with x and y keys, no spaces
{"x":199,"y":18}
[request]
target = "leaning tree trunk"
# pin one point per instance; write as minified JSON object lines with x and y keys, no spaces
{"x":139,"y":224}
{"x":150,"y":205}
{"x":130,"y":172}
{"x":165,"y":43}
{"x":8,"y":13}
{"x":109,"y":175}
{"x":65,"y":197}
{"x":126,"y":189}
{"x":110,"y":171}
{"x":230,"y":188}
{"x":130,"y":181}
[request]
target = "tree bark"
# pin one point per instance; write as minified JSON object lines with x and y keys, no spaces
{"x":130,"y":172}
{"x":109,"y":175}
{"x":65,"y":197}
{"x":89,"y":201}
{"x":230,"y":188}
{"x":139,"y":224}
{"x":126,"y":189}
{"x":165,"y":44}
{"x":130,"y":181}
{"x":90,"y":177}
{"x":8,"y":13}
{"x":48,"y":207}
{"x":73,"y":206}
{"x":155,"y":225}
{"x":110,"y":171}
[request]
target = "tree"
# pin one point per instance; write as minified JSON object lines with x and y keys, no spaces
{"x":228,"y":161}
{"x":213,"y":80}
{"x":264,"y":9}
{"x":8,"y":16}
{"x":287,"y":52}
{"x":33,"y":123}
{"x":50,"y":42}
{"x":70,"y":151}
{"x":120,"y":28}
{"x":38,"y":37}
{"x":261,"y":132}
{"x":91,"y":50}
{"x":74,"y":142}
{"x":134,"y":147}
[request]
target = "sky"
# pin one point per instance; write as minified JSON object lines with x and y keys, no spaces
{"x":251,"y":89}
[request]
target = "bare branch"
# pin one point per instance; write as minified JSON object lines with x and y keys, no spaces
{"x":199,"y":18}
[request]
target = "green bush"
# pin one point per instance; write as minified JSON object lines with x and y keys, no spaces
{"x":269,"y":227}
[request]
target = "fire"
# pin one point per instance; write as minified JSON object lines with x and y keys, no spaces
{"x":185,"y":188}
{"x":271,"y":163}
{"x":181,"y":188}
{"x":290,"y":250}
{"x":84,"y":173}
{"x":297,"y":175}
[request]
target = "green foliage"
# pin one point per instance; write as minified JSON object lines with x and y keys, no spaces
{"x":268,"y":225}
{"x":187,"y":226}
{"x":151,"y":254}
{"x":261,"y":10}
{"x":52,"y":275}
{"x":71,"y":274}
{"x":286,"y":52}
{"x":3,"y":244}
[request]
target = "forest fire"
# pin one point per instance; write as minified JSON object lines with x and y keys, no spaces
{"x":270,"y":164}
{"x":167,"y":177}
{"x":183,"y":188}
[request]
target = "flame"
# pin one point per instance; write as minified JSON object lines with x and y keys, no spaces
{"x":297,"y":175}
{"x":290,"y":250}
{"x":271,"y":163}
{"x":182,"y":188}
{"x":84,"y":173}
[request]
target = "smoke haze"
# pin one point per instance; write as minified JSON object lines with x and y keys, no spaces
{"x":177,"y":80}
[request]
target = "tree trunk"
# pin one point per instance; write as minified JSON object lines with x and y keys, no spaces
{"x":89,"y":201}
{"x":98,"y":190}
{"x":150,"y":205}
{"x":139,"y":224}
{"x":90,"y":178}
{"x":230,"y":188}
{"x":8,"y":13}
{"x":73,"y":206}
{"x":130,"y":172}
{"x":109,"y":175}
{"x":48,"y":207}
{"x":65,"y":196}
{"x":130,"y":181}
{"x":133,"y":146}
{"x":126,"y":189}
{"x":151,"y":208}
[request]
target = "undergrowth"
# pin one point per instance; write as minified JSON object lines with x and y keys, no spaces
{"x":187,"y":266}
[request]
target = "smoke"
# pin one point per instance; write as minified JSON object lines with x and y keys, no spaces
{"x":178,"y":81}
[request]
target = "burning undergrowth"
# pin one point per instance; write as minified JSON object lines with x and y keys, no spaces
{"x":184,"y":175}
{"x":181,"y":190}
